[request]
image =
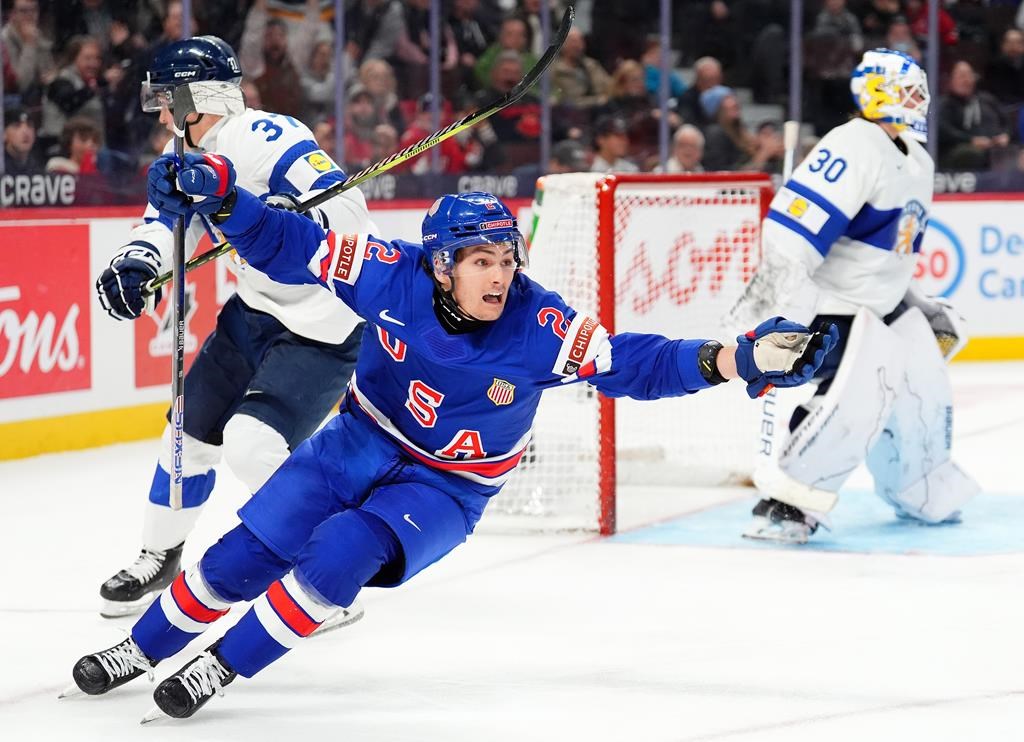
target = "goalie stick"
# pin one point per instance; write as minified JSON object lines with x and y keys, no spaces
{"x":412,"y":150}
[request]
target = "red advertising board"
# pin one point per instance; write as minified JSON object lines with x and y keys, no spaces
{"x":45,"y":300}
{"x":153,"y":336}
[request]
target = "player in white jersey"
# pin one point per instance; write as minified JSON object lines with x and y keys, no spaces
{"x":840,"y":244}
{"x":243,"y":401}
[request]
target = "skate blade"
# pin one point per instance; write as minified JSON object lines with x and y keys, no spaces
{"x":776,"y":537}
{"x":154,"y":714}
{"x":119,"y":609}
{"x":70,"y":692}
{"x":345,"y":618}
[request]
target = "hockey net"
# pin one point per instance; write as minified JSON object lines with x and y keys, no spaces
{"x":667,"y":254}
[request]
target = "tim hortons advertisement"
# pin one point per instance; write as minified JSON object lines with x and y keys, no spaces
{"x":45,"y":292}
{"x":206,"y":290}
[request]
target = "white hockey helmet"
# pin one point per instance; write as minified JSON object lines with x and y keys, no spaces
{"x":891,"y":87}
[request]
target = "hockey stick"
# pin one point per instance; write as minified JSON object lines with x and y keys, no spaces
{"x":790,"y":137}
{"x":412,"y":150}
{"x":183,"y":106}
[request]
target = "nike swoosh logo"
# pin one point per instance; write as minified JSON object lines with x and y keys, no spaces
{"x":388,"y":318}
{"x":408,"y":519}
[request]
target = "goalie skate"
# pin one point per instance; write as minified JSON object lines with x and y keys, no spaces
{"x":781,"y":522}
{"x":134,"y":588}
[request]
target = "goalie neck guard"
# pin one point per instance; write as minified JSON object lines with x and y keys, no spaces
{"x":890,"y":87}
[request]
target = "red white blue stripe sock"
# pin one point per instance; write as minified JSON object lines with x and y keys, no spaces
{"x":277,"y":621}
{"x":182,"y":612}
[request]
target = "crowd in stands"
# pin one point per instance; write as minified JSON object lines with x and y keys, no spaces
{"x":72,"y":71}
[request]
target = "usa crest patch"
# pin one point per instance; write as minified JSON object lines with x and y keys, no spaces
{"x":501,"y":392}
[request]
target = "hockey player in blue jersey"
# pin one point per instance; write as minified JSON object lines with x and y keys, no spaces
{"x":459,"y":346}
{"x":241,"y":399}
{"x":840,"y":245}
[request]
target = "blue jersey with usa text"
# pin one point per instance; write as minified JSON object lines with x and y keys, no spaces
{"x":463,"y":403}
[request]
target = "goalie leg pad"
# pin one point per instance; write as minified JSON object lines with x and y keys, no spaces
{"x":910,"y":462}
{"x":843,"y":424}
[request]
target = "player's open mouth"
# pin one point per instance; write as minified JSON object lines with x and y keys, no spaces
{"x":494,"y":297}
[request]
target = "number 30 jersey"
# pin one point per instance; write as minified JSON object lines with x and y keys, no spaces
{"x":854,"y":213}
{"x":462,"y":403}
{"x":274,"y":154}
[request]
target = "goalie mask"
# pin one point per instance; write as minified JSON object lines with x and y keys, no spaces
{"x":890,"y":87}
{"x":207,"y":65}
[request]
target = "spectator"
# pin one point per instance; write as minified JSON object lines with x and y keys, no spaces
{"x":728,"y":144}
{"x":323,"y":133}
{"x":568,"y":156}
{"x":28,"y":51}
{"x":385,"y":142}
{"x":917,"y":17}
{"x":156,"y":143}
{"x":900,"y":38}
{"x":251,"y":94}
{"x":318,"y":86}
{"x":79,"y":143}
{"x":361,"y":120}
{"x":1004,"y":77}
{"x":707,"y":74}
{"x":413,"y":52}
{"x":972,"y":126}
{"x":77,"y":89}
{"x":373,"y":28}
{"x":84,"y":18}
{"x":769,"y":149}
{"x":471,"y":38}
{"x":576,"y":79}
{"x":280,"y":85}
{"x":519,"y":122}
{"x":718,"y":32}
{"x":611,"y":142}
{"x":513,"y":37}
{"x":19,"y":143}
{"x":630,"y":101}
{"x":378,"y":78}
{"x":834,"y":18}
{"x":651,"y":61}
{"x":302,"y":32}
{"x":453,"y":153}
{"x":171,"y":29}
{"x":687,"y":151}
{"x":875,"y":18}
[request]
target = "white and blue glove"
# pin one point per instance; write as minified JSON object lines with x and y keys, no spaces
{"x":781,"y":353}
{"x":120,"y":285}
{"x":201,"y":184}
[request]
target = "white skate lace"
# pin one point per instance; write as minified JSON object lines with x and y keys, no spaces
{"x":147,"y":565}
{"x":118,"y":661}
{"x":202,"y":678}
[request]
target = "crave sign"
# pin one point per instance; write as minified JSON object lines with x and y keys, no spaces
{"x":45,"y":300}
{"x":154,"y":333}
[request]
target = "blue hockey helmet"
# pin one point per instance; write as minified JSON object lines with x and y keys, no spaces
{"x":197,"y":59}
{"x":457,"y":221}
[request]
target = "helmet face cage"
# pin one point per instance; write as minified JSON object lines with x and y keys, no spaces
{"x":891,"y":87}
{"x":201,"y":59}
{"x":155,"y":96}
{"x":444,"y":256}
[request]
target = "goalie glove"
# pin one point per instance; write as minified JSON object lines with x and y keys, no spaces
{"x":781,"y":353}
{"x":948,"y":325}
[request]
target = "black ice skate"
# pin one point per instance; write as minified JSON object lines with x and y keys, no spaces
{"x":778,"y":521}
{"x":95,"y":674}
{"x":132,"y":589}
{"x":188,"y":690}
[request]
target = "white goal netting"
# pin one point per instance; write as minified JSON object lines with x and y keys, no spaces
{"x":671,"y":253}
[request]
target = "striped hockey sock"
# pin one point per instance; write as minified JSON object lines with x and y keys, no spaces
{"x":183,"y":611}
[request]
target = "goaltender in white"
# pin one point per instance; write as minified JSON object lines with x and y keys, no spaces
{"x":840,"y":245}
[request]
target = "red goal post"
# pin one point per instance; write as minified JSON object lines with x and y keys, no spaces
{"x":645,"y":253}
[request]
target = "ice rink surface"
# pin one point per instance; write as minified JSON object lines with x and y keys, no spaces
{"x":910,"y":635}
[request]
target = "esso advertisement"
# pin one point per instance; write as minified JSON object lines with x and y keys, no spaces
{"x":206,"y":290}
{"x":45,"y":293}
{"x":973,"y":255}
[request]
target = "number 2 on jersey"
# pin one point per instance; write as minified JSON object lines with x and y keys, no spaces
{"x":833,"y":167}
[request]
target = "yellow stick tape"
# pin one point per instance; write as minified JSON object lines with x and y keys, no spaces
{"x":82,"y":430}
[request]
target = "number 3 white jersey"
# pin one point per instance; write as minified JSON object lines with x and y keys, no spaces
{"x":274,"y":154}
{"x":853,"y":216}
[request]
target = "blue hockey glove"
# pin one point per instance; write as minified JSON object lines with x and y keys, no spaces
{"x":200,"y":185}
{"x":781,"y":353}
{"x":120,"y":284}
